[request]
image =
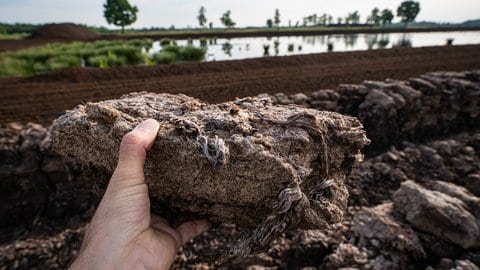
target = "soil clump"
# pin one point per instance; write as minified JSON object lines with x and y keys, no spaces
{"x":222,"y":161}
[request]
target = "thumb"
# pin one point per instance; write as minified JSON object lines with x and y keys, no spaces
{"x":132,"y":153}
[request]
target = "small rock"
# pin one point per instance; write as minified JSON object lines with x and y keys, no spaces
{"x":437,"y":213}
{"x":473,"y":184}
{"x":299,"y":98}
{"x":346,"y":255}
{"x":377,"y":224}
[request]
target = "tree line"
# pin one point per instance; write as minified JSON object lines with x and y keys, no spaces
{"x":121,"y":13}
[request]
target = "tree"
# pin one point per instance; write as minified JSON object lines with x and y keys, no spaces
{"x":120,"y":13}
{"x":355,"y":17}
{"x":276,"y":19}
{"x":269,"y":23}
{"x":323,"y":19}
{"x":374,"y":17}
{"x":226,"y":20}
{"x":386,"y":17}
{"x":330,"y":19}
{"x":352,"y":18}
{"x":202,"y":20}
{"x":408,"y":11}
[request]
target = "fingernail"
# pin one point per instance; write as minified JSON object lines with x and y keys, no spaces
{"x":148,"y":125}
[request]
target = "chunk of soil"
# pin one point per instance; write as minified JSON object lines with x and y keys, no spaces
{"x":245,"y":162}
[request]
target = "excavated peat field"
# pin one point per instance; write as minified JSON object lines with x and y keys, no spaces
{"x":44,"y":97}
{"x":424,"y":160}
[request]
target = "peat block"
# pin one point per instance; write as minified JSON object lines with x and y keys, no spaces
{"x":246,"y":162}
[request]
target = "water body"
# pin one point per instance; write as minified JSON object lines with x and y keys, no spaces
{"x":244,"y":48}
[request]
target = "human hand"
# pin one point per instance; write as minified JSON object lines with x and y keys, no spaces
{"x":123,"y":234}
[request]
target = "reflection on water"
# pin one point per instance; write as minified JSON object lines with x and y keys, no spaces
{"x":377,"y":41}
{"x":266,"y":50}
{"x":291,"y":47}
{"x":350,"y":40}
{"x":371,"y":40}
{"x":403,"y":43}
{"x":227,"y":48}
{"x":276,"y":45}
{"x":384,"y":41}
{"x":241,"y":48}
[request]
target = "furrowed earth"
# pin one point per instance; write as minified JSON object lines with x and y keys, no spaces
{"x":414,"y":201}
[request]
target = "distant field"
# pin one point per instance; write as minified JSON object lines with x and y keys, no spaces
{"x":284,"y":31}
{"x":16,"y":42}
{"x":13,"y":36}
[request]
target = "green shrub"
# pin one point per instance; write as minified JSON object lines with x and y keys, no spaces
{"x":172,"y":48}
{"x":116,"y":60}
{"x":165,"y":42}
{"x":164,"y":57}
{"x":191,"y":53}
{"x":63,"y":61}
{"x":146,"y":44}
{"x":133,"y":55}
{"x":103,"y":61}
{"x":35,"y":54}
{"x":203,"y":42}
{"x":100,"y":61}
{"x":76,"y":54}
{"x":11,"y":67}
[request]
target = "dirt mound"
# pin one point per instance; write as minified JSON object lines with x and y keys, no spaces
{"x":64,"y":31}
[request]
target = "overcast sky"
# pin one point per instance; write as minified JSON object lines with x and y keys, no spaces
{"x":182,"y":13}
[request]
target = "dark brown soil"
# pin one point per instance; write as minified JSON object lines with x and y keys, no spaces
{"x":45,"y":201}
{"x":64,"y":31}
{"x":44,"y":97}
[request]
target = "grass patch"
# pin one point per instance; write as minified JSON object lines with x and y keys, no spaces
{"x":191,"y":53}
{"x":100,"y":54}
{"x":173,"y":53}
{"x":164,"y":57}
{"x":14,"y":36}
{"x":76,"y":54}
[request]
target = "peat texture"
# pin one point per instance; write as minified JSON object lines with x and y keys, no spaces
{"x":245,"y":162}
